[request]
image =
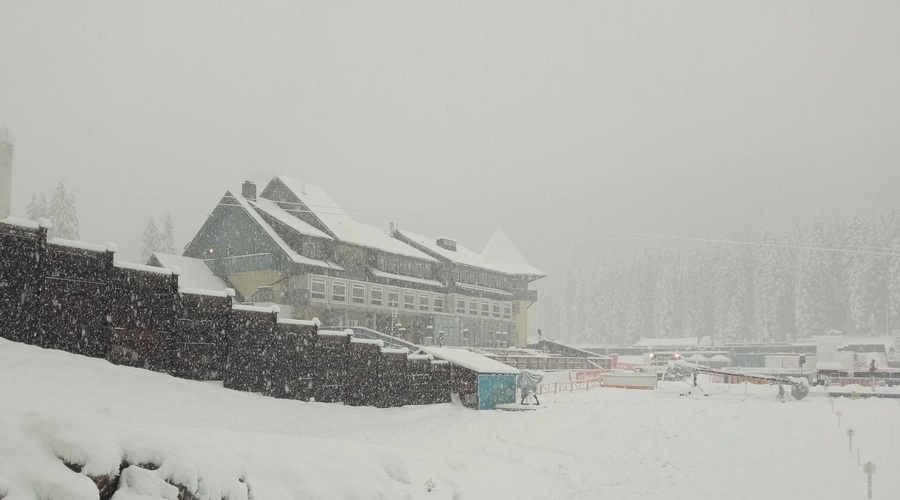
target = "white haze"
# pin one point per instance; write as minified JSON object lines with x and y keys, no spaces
{"x":558,"y":121}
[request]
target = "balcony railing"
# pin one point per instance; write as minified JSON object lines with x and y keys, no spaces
{"x":527,"y":295}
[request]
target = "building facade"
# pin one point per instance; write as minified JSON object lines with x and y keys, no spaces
{"x":292,"y":245}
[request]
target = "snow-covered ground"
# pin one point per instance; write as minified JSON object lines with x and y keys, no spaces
{"x":606,"y":443}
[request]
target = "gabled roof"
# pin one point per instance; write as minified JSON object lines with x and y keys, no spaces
{"x":272,"y":209}
{"x":501,"y":253}
{"x":503,"y":256}
{"x":288,"y":251}
{"x":194,"y":272}
{"x":462,"y":255}
{"x":342,"y":226}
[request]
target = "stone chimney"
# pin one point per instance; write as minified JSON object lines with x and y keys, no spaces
{"x":248,"y":190}
{"x":447,"y":244}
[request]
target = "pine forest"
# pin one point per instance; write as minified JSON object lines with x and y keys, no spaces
{"x":842,"y":275}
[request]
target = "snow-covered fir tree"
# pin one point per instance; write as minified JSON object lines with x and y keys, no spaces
{"x":152,"y":240}
{"x":168,"y":236}
{"x":840,"y":275}
{"x":813,"y":283}
{"x":37,"y":208}
{"x":664,"y":300}
{"x":62,"y":214}
{"x":894,"y":285}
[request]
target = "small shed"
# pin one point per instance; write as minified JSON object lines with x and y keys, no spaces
{"x":481,"y":382}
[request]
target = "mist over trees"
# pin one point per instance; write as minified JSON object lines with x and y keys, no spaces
{"x":838,"y":275}
{"x":156,"y":240}
{"x":60,"y":211}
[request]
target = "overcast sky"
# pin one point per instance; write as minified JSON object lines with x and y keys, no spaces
{"x":555,"y":120}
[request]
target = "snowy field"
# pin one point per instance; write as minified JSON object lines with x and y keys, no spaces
{"x":606,"y":443}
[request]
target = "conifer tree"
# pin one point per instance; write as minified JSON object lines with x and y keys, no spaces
{"x":894,"y":285}
{"x":62,"y":214}
{"x":151,"y":240}
{"x":37,"y":207}
{"x":813,"y":278}
{"x":168,"y":236}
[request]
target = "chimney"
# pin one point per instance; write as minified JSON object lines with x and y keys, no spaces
{"x":447,"y":244}
{"x":393,"y":229}
{"x":248,"y":190}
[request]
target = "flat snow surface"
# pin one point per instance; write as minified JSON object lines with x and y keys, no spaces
{"x":195,"y":274}
{"x":471,"y":360}
{"x":605,"y":443}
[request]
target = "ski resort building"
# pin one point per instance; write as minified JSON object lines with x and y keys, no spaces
{"x":292,"y":245}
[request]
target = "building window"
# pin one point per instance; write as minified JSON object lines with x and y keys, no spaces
{"x":317,"y":289}
{"x":485,"y":308}
{"x":424,"y":302}
{"x":375,"y":296}
{"x":308,"y":248}
{"x":496,"y":309}
{"x":438,"y":303}
{"x":358,"y":294}
{"x":381,"y":262}
{"x":409,"y":300}
{"x":393,"y":298}
{"x":393,"y":266}
{"x":473,"y":308}
{"x":427,"y":271}
{"x":461,"y":306}
{"x":338,"y":291}
{"x":507,"y":310}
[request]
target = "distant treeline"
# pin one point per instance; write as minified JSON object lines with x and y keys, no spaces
{"x":839,"y":275}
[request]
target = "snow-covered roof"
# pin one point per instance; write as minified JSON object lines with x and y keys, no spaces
{"x":502,"y":254}
{"x":343,"y":226}
{"x":391,"y":276}
{"x":142,"y":267}
{"x":301,"y":322}
{"x":272,"y":209}
{"x":674,"y":342}
{"x":194,"y":273}
{"x":462,"y":255}
{"x":290,"y":252}
{"x":93,"y":247}
{"x":471,"y":360}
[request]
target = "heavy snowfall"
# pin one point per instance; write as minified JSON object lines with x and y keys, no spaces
{"x":719,"y":441}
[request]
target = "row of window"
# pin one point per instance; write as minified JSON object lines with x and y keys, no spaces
{"x":405,"y":267}
{"x":483,"y":307}
{"x":378,"y":296}
{"x":381,"y":296}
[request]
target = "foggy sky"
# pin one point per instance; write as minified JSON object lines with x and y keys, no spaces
{"x":554,"y":120}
